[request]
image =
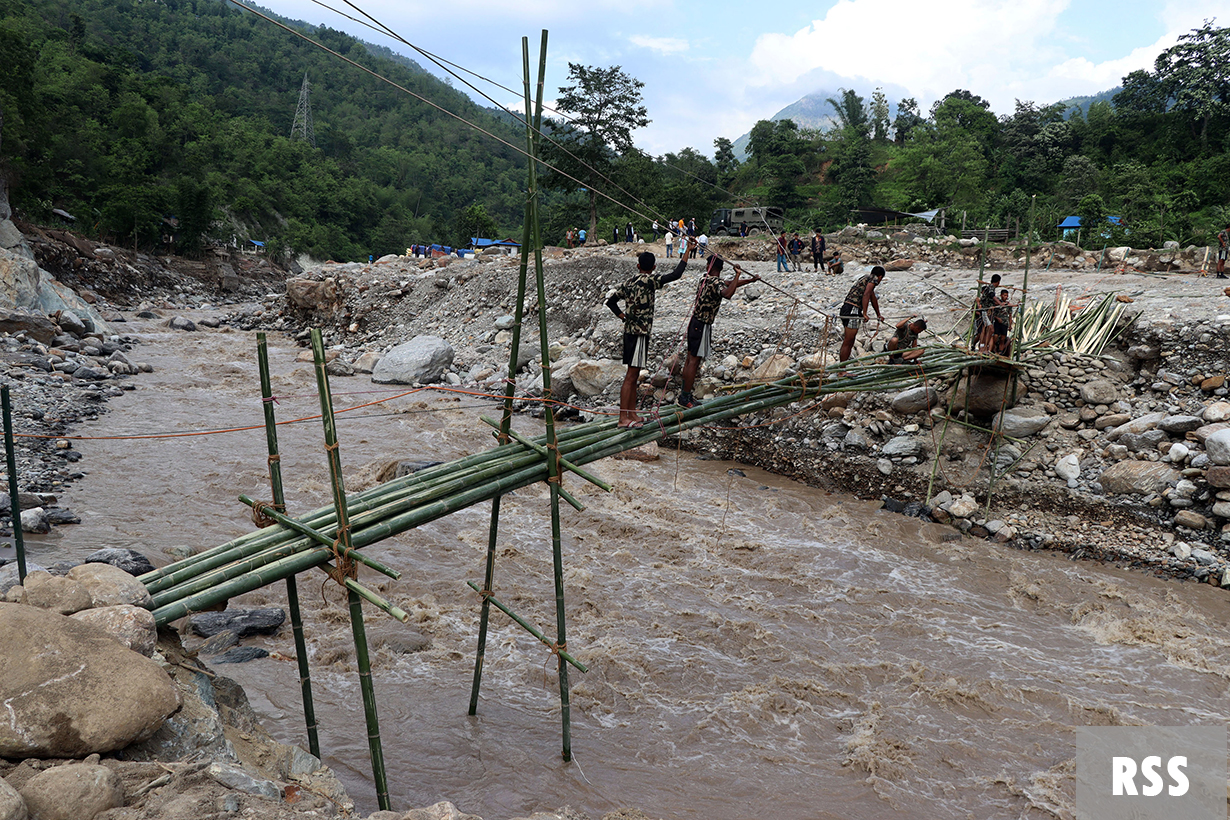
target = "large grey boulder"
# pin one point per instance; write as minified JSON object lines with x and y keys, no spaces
{"x":110,"y":586}
{"x":12,"y":806}
{"x":1218,"y":448}
{"x":1100,"y":391}
{"x":901,"y":446}
{"x":25,"y":286}
{"x":77,"y":791}
{"x":69,"y":690}
{"x":132,"y":626}
{"x":422,"y":360}
{"x":131,"y":561}
{"x":1137,"y":477}
{"x":1021,"y":422}
{"x":591,"y":378}
{"x":986,"y":393}
{"x":915,"y":400}
{"x":1137,"y":426}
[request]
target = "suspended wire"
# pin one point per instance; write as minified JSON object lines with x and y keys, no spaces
{"x":447,"y":66}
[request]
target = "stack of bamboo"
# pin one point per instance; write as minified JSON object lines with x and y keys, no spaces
{"x":285,"y":549}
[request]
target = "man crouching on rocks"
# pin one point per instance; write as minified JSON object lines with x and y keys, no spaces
{"x":638,"y":295}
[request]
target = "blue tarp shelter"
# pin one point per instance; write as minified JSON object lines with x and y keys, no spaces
{"x":1071,"y":224}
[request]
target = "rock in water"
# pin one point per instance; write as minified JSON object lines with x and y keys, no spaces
{"x":131,"y":561}
{"x":591,"y":378}
{"x":240,"y":654}
{"x":110,"y":586}
{"x":243,"y":622}
{"x":422,"y":360}
{"x":77,"y":791}
{"x":70,"y":690}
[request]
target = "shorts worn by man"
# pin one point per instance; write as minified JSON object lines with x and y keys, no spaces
{"x":861,"y":295}
{"x":638,"y":295}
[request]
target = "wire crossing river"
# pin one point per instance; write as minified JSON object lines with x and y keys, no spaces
{"x":756,"y":647}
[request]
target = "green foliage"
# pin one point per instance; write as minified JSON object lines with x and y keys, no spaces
{"x":134,"y":111}
{"x":474,"y":221}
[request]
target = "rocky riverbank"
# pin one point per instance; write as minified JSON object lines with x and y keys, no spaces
{"x":1117,"y":457}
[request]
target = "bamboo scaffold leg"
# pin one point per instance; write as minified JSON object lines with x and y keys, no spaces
{"x":345,"y":569}
{"x":292,"y":586}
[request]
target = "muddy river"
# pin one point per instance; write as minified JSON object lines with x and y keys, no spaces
{"x":755,"y":646}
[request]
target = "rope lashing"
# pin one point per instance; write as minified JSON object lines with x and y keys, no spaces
{"x":259,"y":516}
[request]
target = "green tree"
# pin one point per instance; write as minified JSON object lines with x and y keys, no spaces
{"x":605,"y":107}
{"x":907,"y":120}
{"x":1094,"y":223}
{"x":724,"y":159}
{"x":1195,"y":74}
{"x":474,"y":221}
{"x":879,"y":116}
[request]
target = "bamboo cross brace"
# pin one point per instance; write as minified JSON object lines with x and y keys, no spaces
{"x":527,"y":626}
{"x":545,"y":453}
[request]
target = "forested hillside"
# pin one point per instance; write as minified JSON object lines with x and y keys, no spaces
{"x":122,"y":113}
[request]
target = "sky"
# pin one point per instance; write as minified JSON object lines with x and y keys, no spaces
{"x":713,"y":69}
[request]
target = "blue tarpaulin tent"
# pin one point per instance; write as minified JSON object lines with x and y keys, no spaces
{"x":1072,"y":224}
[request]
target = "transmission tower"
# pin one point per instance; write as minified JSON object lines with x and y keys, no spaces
{"x":302,"y":126}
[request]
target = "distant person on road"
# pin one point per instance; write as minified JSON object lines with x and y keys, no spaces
{"x":670,"y":238}
{"x":581,"y":236}
{"x":655,"y":231}
{"x":742,"y":229}
{"x":817,"y":250}
{"x":692,"y":227}
{"x":629,"y":234}
{"x":616,"y":240}
{"x":854,"y":310}
{"x":1223,"y":249}
{"x":638,"y":295}
{"x":783,"y":248}
{"x":702,"y":244}
{"x":709,"y":295}
{"x":905,"y":338}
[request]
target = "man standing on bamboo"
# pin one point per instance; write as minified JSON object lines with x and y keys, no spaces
{"x":983,"y":318}
{"x":854,"y":310}
{"x":709,"y":296}
{"x":638,"y":295}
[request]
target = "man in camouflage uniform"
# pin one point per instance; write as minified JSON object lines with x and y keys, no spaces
{"x":709,"y":295}
{"x":905,"y":338}
{"x":638,"y":295}
{"x":854,"y":310}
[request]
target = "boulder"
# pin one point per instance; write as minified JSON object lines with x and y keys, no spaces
{"x":75,"y":691}
{"x":26,"y":288}
{"x":592,"y":378}
{"x":915,"y":400}
{"x":243,"y":622}
{"x":901,"y":446}
{"x":1020,"y":422}
{"x":1218,"y":477}
{"x":1140,"y":425}
{"x":1068,"y":468}
{"x":366,"y":363}
{"x":182,"y":323}
{"x":77,"y":791}
{"x":1191,"y":520}
{"x":987,"y":393}
{"x":1099,"y":391}
{"x":773,"y":368}
{"x":1180,"y":425}
{"x":311,"y":294}
{"x":35,"y":521}
{"x":238,"y":778}
{"x":36,"y":326}
{"x":1202,"y":434}
{"x":447,"y":811}
{"x":899,"y":264}
{"x":1138,"y":477}
{"x":646,"y":452}
{"x":1216,"y":412}
{"x":240,"y":654}
{"x":131,"y":561}
{"x":962,"y":507}
{"x":422,"y":360}
{"x":110,"y":586}
{"x":1217,"y":446}
{"x":132,"y":626}
{"x":56,"y":593}
{"x":12,"y":806}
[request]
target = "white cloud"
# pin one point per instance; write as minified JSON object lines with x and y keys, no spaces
{"x":665,"y":45}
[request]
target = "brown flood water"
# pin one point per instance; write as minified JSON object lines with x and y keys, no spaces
{"x":752,"y":642}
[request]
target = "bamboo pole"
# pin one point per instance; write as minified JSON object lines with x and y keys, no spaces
{"x":10,"y":456}
{"x":553,"y":465}
{"x":544,"y":452}
{"x":292,"y":587}
{"x":325,"y":540}
{"x":343,"y":551}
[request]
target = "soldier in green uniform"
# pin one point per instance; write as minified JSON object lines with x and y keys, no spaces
{"x":638,"y":295}
{"x":905,"y":338}
{"x":854,"y":310}
{"x":709,"y":295}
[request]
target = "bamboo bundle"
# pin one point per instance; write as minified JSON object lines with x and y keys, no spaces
{"x":278,"y":552}
{"x":1063,"y":325}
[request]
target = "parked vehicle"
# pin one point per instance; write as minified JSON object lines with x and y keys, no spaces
{"x":728,"y":221}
